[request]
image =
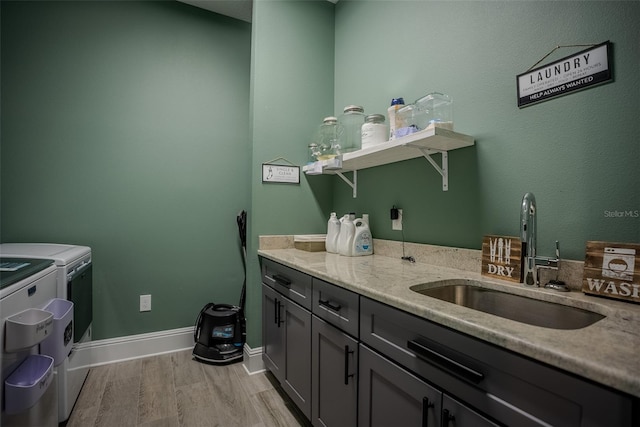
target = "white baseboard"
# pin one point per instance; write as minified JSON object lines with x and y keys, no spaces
{"x":102,"y":352}
{"x":252,"y":362}
{"x":112,"y":350}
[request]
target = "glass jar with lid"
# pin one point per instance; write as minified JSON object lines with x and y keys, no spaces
{"x":351,"y":120}
{"x":437,"y":109}
{"x":374,"y":130}
{"x":329,"y":135}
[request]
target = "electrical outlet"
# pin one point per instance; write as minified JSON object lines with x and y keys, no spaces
{"x":396,"y":224}
{"x":145,"y":303}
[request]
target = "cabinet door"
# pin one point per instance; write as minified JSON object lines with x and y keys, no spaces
{"x":272,"y":332}
{"x":296,"y":382}
{"x":392,"y":396}
{"x":455,"y":414}
{"x":335,"y":363}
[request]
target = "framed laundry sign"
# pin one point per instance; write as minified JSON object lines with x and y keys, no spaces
{"x":279,"y":173}
{"x":582,"y":70}
{"x":612,"y":270}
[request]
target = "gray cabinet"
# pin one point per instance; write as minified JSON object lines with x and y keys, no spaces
{"x":286,"y":331}
{"x":397,"y":397}
{"x":393,"y":396}
{"x":334,"y":380}
{"x":503,"y":386}
{"x":335,"y":355}
{"x":456,"y":414}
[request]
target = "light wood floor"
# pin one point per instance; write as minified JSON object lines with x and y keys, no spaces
{"x":174,"y":390}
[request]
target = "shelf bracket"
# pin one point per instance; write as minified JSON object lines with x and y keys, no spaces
{"x":442,"y":170}
{"x":353,"y":185}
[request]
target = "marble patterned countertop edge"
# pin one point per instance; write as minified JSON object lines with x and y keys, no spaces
{"x":605,"y":352}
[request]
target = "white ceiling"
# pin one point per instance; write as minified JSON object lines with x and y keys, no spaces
{"x":239,"y":9}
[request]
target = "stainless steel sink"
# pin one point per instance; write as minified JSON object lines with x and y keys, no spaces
{"x":515,"y":307}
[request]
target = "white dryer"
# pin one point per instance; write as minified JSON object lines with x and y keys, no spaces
{"x":26,"y":286}
{"x":74,"y":283}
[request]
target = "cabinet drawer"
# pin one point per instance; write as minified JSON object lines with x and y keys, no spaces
{"x":336,"y":305}
{"x":289,"y":282}
{"x":511,"y":388}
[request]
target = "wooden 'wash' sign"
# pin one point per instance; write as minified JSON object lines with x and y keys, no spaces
{"x":501,"y":257}
{"x":612,"y":270}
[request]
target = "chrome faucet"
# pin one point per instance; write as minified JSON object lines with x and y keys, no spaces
{"x":531,"y":262}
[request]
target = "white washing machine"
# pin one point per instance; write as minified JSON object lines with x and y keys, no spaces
{"x":26,"y":286}
{"x":74,"y":283}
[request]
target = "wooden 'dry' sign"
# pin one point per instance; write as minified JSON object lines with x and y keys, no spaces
{"x":501,"y":257}
{"x":612,"y":270}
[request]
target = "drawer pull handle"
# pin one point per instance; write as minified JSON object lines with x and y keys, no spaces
{"x":332,"y":305}
{"x":445,"y":363}
{"x":282,"y":280}
{"x":347,"y":352}
{"x":425,"y":411}
{"x":446,"y":417}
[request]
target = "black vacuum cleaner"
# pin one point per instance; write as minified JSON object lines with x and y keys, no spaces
{"x":221,"y":329}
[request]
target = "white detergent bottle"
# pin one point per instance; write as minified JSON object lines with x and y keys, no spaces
{"x":333,"y":230}
{"x":362,"y":240}
{"x":345,"y":238}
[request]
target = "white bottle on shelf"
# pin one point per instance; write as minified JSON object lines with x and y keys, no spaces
{"x":396,"y":104}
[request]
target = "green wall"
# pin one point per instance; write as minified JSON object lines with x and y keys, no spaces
{"x":578,"y":154}
{"x":140,"y":128}
{"x":125,"y":128}
{"x":292,"y":90}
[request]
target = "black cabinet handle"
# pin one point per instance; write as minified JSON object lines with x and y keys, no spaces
{"x":282,"y":280}
{"x":275,"y":311}
{"x":347,"y":352}
{"x":425,"y":411}
{"x":445,"y":363}
{"x":332,"y":305}
{"x":446,"y":417}
{"x":280,"y":321}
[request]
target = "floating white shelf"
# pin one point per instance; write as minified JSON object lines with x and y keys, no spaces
{"x":424,"y":143}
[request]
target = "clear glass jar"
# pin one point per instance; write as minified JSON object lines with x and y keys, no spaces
{"x":408,"y":120}
{"x":351,"y":120}
{"x":437,"y":109}
{"x":313,"y":153}
{"x":374,"y":130}
{"x":329,"y":135}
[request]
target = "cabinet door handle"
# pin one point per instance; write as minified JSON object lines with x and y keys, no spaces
{"x":332,"y":305}
{"x":282,"y":280}
{"x":280,"y":321}
{"x":445,"y":362}
{"x":276,"y":307}
{"x":446,"y":417}
{"x":347,"y":352}
{"x":425,"y":411}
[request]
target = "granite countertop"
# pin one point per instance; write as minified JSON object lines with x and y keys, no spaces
{"x":607,"y":352}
